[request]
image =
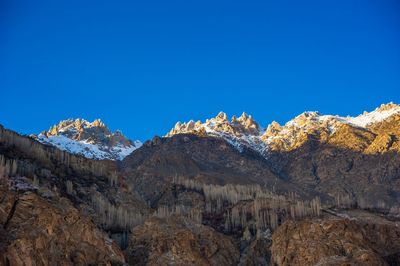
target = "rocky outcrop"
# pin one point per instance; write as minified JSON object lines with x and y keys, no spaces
{"x":179,"y":241}
{"x":38,"y":231}
{"x":257,"y":253}
{"x":361,"y":239}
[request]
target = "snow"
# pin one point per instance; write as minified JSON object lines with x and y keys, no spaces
{"x":373,"y":117}
{"x":89,"y":150}
{"x":123,"y":151}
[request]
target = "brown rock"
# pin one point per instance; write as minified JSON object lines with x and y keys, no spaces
{"x":337,"y":241}
{"x":257,"y":253}
{"x":179,"y":241}
{"x":35,"y":231}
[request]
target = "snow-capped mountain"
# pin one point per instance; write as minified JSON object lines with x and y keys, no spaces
{"x":93,"y":140}
{"x":242,"y":131}
{"x":245,"y":131}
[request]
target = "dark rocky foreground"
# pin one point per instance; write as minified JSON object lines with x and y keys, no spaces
{"x":196,"y":200}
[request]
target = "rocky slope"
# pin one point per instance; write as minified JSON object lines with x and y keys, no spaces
{"x":330,"y":157}
{"x":39,"y":231}
{"x":357,"y":238}
{"x":179,"y":241}
{"x":91,"y":139}
{"x":204,"y":159}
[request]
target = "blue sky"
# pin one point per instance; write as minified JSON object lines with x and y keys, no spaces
{"x":141,"y":66}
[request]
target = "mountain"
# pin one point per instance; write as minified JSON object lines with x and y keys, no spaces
{"x":311,"y":155}
{"x":93,"y":140}
{"x":222,"y":192}
{"x":246,"y":132}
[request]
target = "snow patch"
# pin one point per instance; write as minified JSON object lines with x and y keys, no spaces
{"x":373,"y":117}
{"x":89,"y":150}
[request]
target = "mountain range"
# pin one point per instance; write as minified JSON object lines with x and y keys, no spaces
{"x":318,"y":190}
{"x":94,"y":140}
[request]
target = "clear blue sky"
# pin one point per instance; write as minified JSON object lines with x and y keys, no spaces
{"x":143,"y":65}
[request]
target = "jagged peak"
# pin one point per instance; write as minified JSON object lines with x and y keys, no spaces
{"x":388,"y":106}
{"x":79,"y":123}
{"x":220,"y":123}
{"x":98,"y":123}
{"x":91,"y":139}
{"x":72,"y":124}
{"x":243,"y":117}
{"x":305,"y":119}
{"x":308,"y":114}
{"x":222,"y":117}
{"x":273,"y":128}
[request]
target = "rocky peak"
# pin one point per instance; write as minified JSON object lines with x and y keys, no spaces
{"x":388,"y":106}
{"x":297,"y":131}
{"x":91,"y":139}
{"x":221,"y":117}
{"x":236,"y":127}
{"x":249,"y":123}
{"x":273,"y":128}
{"x":76,"y":129}
{"x":243,"y":125}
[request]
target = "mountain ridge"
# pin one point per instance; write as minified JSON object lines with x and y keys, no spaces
{"x":94,"y":140}
{"x":245,"y":131}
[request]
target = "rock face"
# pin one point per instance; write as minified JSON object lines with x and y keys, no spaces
{"x":359,"y":240}
{"x":93,"y":140}
{"x":257,"y":253}
{"x":35,"y":231}
{"x":179,"y":241}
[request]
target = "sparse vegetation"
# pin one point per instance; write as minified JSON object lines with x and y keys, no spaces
{"x":69,"y":187}
{"x":35,"y":181}
{"x":251,"y":205}
{"x":115,"y":216}
{"x":46,"y":155}
{"x":113,"y":178}
{"x":258,"y":207}
{"x":8,"y":167}
{"x":191,"y":213}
